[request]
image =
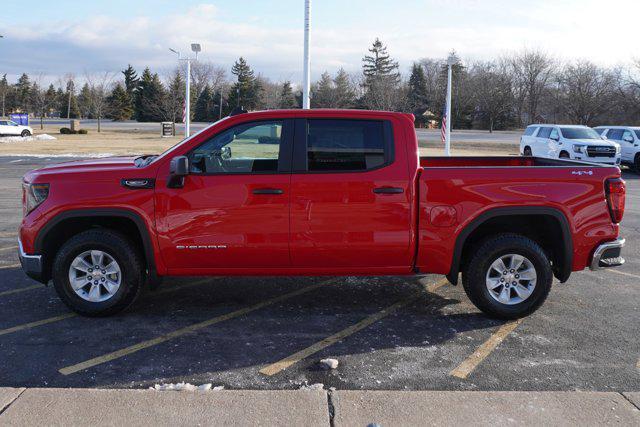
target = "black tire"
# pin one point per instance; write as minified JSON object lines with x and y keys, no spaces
{"x":564,"y":155}
{"x":636,"y":163}
{"x":25,"y":133}
{"x":121,"y":250}
{"x":475,"y":271}
{"x":527,"y":151}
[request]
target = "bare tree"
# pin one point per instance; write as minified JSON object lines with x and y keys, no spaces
{"x":491,"y":88}
{"x":532,"y":71}
{"x":207,"y":73}
{"x":99,"y":88}
{"x":587,"y":91}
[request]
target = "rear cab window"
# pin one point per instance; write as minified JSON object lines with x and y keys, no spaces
{"x":344,"y":145}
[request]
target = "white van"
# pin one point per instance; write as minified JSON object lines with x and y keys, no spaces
{"x":629,"y":139}
{"x":568,"y":142}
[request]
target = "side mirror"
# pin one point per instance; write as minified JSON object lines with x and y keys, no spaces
{"x":178,"y":170}
{"x":555,"y":138}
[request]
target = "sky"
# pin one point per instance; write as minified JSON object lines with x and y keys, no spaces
{"x":54,"y":37}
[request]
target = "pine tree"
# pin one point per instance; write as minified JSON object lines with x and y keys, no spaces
{"x":131,"y":80}
{"x":287,"y":99}
{"x":4,"y":91}
{"x":119,"y":104}
{"x":204,"y":106}
{"x":418,"y":91}
{"x":323,"y":93}
{"x":84,"y":102}
{"x":149,"y":98}
{"x":23,"y":93}
{"x":247,"y":89}
{"x":380,"y":64}
{"x":345,"y":96}
{"x":61,"y":103}
{"x":174,"y":99}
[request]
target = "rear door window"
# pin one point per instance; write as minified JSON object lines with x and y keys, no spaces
{"x":615,"y":134}
{"x":544,"y":132}
{"x":347,"y":145}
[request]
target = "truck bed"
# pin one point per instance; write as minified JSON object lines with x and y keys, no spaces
{"x":454,"y":191}
{"x":500,"y":161}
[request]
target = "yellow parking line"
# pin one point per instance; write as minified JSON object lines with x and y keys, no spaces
{"x":36,"y":323}
{"x":8,"y":248}
{"x":26,"y":288}
{"x":182,"y":331}
{"x":5,"y":267}
{"x":471,"y":363}
{"x":624,"y":273}
{"x":283,"y":364}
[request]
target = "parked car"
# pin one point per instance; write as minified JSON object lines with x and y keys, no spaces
{"x":344,"y":192}
{"x":9,"y":127}
{"x":629,"y":139}
{"x":568,"y":142}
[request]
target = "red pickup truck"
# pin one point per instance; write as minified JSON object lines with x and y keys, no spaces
{"x":318,"y":192}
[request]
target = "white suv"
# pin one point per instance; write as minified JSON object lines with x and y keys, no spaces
{"x":568,"y":142}
{"x":8,"y":127}
{"x":629,"y":139}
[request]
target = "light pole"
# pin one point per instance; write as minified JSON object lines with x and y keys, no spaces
{"x":306,"y":74}
{"x":196,"y":48}
{"x":451,"y":61}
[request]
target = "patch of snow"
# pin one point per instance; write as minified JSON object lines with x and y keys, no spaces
{"x":316,"y":386}
{"x":184,"y":386}
{"x":43,"y":137}
{"x":329,"y":363}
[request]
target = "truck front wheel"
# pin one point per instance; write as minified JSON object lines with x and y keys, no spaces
{"x":98,"y":273}
{"x":508,"y":276}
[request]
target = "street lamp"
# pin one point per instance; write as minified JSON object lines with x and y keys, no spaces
{"x":306,"y":73}
{"x":196,"y":48}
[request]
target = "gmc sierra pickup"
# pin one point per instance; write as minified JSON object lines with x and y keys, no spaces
{"x":318,"y":192}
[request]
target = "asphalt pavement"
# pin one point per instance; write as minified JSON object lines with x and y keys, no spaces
{"x":261,"y":333}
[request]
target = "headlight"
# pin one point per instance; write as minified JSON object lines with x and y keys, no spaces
{"x":33,"y":195}
{"x":579,"y":148}
{"x":617,"y":148}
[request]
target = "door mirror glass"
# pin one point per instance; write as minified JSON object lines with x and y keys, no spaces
{"x":178,"y":169}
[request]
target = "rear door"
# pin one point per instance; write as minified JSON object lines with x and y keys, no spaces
{"x":233,"y":211}
{"x":542,"y":142}
{"x":350,"y":196}
{"x":628,"y":146}
{"x":4,"y":129}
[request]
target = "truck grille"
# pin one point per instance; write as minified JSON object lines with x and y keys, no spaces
{"x":601,"y":151}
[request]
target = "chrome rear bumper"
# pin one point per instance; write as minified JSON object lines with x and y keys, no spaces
{"x":608,"y":255}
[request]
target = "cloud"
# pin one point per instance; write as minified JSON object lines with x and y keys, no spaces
{"x":482,"y":30}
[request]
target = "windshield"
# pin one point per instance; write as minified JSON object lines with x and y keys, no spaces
{"x":147,"y":160}
{"x":580,"y":133}
{"x":637,"y":131}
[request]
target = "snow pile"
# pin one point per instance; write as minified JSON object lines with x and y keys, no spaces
{"x":43,"y":137}
{"x":183,"y":386}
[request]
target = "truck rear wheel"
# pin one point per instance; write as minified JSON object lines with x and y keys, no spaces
{"x":98,"y":273}
{"x":508,"y":276}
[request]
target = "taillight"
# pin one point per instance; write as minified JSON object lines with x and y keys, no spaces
{"x":615,"y":191}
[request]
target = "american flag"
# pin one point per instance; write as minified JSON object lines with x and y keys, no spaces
{"x":443,"y":132}
{"x":184,"y":112}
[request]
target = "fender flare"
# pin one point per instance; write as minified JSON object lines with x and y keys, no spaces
{"x":118,"y":213}
{"x":567,"y":254}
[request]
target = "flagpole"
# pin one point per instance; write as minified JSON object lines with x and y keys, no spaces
{"x":306,"y":83}
{"x":451,"y":61}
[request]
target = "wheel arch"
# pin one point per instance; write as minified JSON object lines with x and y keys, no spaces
{"x":67,"y":224}
{"x":488,"y":222}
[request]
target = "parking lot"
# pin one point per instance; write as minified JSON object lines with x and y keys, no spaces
{"x":270,"y":333}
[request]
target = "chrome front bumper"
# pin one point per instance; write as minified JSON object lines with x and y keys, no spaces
{"x":31,"y":264}
{"x":608,"y":255}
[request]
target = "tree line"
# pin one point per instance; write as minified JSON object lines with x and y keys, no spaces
{"x":511,"y":91}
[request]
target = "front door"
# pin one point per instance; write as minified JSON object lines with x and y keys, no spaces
{"x":233,"y":211}
{"x":351,"y":197}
